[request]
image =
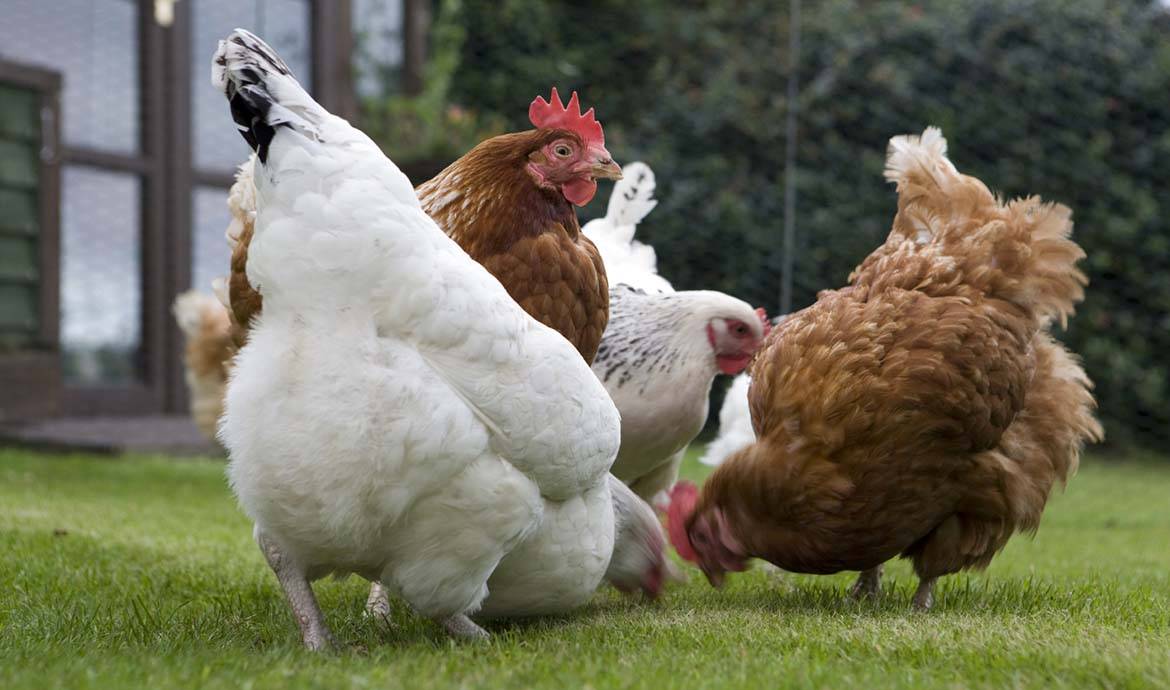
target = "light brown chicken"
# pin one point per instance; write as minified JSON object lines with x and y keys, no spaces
{"x":205,"y":325}
{"x":923,"y":411}
{"x":509,"y":203}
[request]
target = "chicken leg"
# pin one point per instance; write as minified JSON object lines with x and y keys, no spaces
{"x":378,"y":603}
{"x":458,"y":626}
{"x":314,"y":632}
{"x":924,"y":595}
{"x":869,"y":584}
{"x":462,"y":627}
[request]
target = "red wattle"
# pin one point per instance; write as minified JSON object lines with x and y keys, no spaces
{"x":732,"y":364}
{"x":579,"y":191}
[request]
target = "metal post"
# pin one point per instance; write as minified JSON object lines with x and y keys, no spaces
{"x":790,"y":158}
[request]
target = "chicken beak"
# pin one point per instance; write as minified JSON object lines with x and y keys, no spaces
{"x":715,"y":578}
{"x":606,"y":169}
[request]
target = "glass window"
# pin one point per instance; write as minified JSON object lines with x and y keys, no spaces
{"x":101,"y":275}
{"x":93,"y":44}
{"x":377,"y":32}
{"x":209,"y":250}
{"x":284,"y":24}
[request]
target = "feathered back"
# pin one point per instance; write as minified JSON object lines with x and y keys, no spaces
{"x":627,"y":260}
{"x":963,"y":237}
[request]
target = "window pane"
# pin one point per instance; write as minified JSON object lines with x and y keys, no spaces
{"x":377,"y":30}
{"x":284,"y":24}
{"x":101,"y":275}
{"x":94,"y":45}
{"x":209,"y":249}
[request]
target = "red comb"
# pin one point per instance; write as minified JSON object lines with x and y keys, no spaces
{"x":764,"y":320}
{"x":683,"y":498}
{"x":552,"y":114}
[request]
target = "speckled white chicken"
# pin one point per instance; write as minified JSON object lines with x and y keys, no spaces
{"x":395,"y":413}
{"x":661,"y":349}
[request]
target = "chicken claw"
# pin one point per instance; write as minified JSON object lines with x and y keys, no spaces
{"x":924,"y":596}
{"x":461,"y":627}
{"x":868,"y":585}
{"x":378,"y":603}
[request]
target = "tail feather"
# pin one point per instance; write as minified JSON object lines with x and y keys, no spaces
{"x":262,"y":91}
{"x":1021,"y":251}
{"x":205,"y":323}
{"x":628,"y":261}
{"x":197,"y":311}
{"x":633,"y":196}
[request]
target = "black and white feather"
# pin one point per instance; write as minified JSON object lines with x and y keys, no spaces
{"x":262,"y":91}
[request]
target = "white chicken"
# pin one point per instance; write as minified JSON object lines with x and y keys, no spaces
{"x":662,"y":349}
{"x":394,"y":413}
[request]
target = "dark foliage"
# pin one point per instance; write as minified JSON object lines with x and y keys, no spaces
{"x":1068,"y":100}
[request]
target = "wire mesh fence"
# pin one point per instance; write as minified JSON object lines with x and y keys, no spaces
{"x":1062,"y":99}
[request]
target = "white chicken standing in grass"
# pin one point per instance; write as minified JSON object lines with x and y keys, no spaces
{"x":662,"y":349}
{"x":395,"y":414}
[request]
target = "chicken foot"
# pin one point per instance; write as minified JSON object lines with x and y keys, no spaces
{"x":868,"y":584}
{"x":378,"y":603}
{"x":314,"y":632}
{"x":924,"y":596}
{"x":458,"y":626}
{"x":461,"y":627}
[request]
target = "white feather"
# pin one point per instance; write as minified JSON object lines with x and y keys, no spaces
{"x":627,"y":260}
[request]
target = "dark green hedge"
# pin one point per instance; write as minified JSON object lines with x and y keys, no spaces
{"x":1069,"y":99}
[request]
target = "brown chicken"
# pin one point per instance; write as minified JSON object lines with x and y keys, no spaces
{"x":509,"y":203}
{"x":923,"y":411}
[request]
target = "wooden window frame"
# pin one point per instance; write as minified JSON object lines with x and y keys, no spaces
{"x":147,"y":392}
{"x":33,"y":375}
{"x":164,"y":167}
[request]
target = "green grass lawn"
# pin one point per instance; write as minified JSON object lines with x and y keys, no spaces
{"x":141,"y":572}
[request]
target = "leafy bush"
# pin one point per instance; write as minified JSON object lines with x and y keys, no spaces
{"x":1068,"y":100}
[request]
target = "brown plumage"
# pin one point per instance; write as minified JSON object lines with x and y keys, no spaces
{"x":922,"y":411}
{"x":528,"y":237}
{"x":205,"y":325}
{"x":245,"y":301}
{"x":241,"y":299}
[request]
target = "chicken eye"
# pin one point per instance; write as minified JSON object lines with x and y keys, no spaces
{"x":740,"y":329}
{"x":563,"y":150}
